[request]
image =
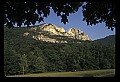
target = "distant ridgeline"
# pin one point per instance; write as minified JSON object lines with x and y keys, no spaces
{"x":108,"y":40}
{"x":52,"y":33}
{"x":48,"y":48}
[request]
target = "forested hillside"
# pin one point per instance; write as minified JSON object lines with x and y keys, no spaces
{"x":108,"y":40}
{"x":26,"y":55}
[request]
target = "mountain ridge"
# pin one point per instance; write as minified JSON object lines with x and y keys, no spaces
{"x":108,"y":40}
{"x":45,"y":31}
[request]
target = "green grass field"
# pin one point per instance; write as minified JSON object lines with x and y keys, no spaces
{"x":91,"y":73}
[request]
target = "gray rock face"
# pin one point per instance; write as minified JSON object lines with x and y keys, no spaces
{"x":54,"y":34}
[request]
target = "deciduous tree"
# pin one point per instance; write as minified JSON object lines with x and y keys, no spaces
{"x":30,"y":12}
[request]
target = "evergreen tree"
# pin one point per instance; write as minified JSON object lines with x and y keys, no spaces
{"x":39,"y":65}
{"x":24,"y":63}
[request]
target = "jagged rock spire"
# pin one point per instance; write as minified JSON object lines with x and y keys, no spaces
{"x":52,"y":33}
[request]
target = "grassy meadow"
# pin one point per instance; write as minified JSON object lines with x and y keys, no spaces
{"x":91,"y":73}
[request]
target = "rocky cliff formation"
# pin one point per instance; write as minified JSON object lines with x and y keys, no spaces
{"x":54,"y":34}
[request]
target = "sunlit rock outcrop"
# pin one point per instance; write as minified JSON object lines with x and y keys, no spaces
{"x":52,"y":33}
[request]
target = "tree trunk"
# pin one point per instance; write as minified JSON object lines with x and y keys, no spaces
{"x":23,"y":70}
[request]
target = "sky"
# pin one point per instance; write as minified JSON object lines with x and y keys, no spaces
{"x":75,"y":21}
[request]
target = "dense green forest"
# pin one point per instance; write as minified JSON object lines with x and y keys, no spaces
{"x":24,"y":55}
{"x":108,"y":40}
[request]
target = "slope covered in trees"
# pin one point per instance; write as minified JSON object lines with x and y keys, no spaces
{"x":26,"y":55}
{"x":108,"y":40}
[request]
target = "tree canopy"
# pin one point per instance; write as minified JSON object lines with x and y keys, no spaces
{"x":25,"y":55}
{"x":30,"y":12}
